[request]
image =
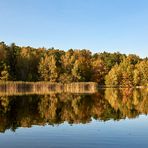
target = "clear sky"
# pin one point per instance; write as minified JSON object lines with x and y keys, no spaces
{"x":98,"y":25}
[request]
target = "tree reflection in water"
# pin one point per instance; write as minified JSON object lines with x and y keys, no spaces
{"x":107,"y":104}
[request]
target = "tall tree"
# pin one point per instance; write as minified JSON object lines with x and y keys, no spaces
{"x":141,"y":73}
{"x":99,"y":71}
{"x":12,"y":53}
{"x":82,"y":67}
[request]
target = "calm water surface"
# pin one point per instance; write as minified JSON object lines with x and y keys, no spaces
{"x":110,"y":118}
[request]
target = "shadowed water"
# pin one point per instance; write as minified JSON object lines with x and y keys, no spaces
{"x":108,"y":118}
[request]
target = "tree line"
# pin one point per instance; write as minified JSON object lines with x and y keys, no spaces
{"x":54,"y":65}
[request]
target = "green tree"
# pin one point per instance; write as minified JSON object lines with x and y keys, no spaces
{"x":110,"y":59}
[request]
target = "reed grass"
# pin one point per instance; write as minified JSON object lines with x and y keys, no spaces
{"x":19,"y":87}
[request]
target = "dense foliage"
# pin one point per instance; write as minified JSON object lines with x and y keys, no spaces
{"x":30,"y":64}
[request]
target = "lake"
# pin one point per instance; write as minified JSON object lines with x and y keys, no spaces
{"x":109,"y":118}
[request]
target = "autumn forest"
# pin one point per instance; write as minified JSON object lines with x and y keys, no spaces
{"x":54,"y":65}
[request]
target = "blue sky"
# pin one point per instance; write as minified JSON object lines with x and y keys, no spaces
{"x":98,"y":25}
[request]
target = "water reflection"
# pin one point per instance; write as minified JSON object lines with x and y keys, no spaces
{"x":107,"y":104}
